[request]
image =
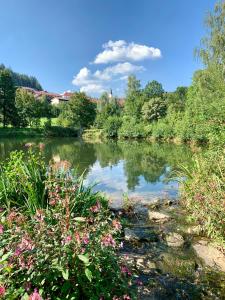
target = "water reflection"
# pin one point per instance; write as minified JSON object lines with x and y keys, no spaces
{"x":140,"y":169}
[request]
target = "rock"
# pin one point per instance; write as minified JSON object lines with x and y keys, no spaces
{"x":140,"y":234}
{"x":158,"y":217}
{"x":174,"y":239}
{"x":210,"y":255}
{"x":195,"y":230}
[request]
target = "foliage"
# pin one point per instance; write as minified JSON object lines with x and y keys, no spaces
{"x":131,"y":129}
{"x":7,"y":98}
{"x":23,"y":80}
{"x":153,"y":89}
{"x":112,"y":125}
{"x":154,"y":109}
{"x":109,"y":109}
{"x":22,"y":181}
{"x":203,"y":192}
{"x":80,"y":112}
{"x":65,"y":250}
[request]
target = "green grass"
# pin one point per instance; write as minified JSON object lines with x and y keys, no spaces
{"x":54,"y":131}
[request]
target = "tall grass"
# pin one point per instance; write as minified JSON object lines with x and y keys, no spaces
{"x":22,"y":181}
{"x":203,"y":192}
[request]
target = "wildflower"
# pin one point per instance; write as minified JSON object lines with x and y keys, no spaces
{"x":27,"y":286}
{"x":85,"y":239}
{"x":139,"y":282}
{"x":2,"y":291}
{"x":1,"y":229}
{"x":108,"y":241}
{"x":52,"y":202}
{"x":125,"y":271}
{"x":1,"y":209}
{"x":17,"y":252}
{"x":116,"y":298}
{"x":35,"y":296}
{"x":96,"y":208}
{"x":126,"y":297}
{"x":116,"y":224}
{"x":67,"y":240}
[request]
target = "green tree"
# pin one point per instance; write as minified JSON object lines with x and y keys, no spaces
{"x":7,"y":98}
{"x":79,"y":112}
{"x":154,"y":109}
{"x":153,"y":89}
{"x":133,"y":85}
{"x":133,"y":102}
{"x":213,"y":44}
{"x":28,"y":108}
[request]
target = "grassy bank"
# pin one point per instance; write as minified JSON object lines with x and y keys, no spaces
{"x":54,"y":131}
{"x":58,"y":238}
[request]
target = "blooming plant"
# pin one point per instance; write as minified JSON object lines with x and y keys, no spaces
{"x":65,"y":249}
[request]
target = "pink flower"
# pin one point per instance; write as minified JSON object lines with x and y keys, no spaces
{"x":67,"y":240}
{"x":116,"y":224}
{"x":1,"y":209}
{"x":27,"y":286}
{"x":85,"y":239}
{"x":96,"y":208}
{"x":108,"y":241}
{"x":17,"y":252}
{"x":52,"y":202}
{"x":2,"y":291}
{"x":139,"y":282}
{"x":126,"y":297}
{"x":35,"y":296}
{"x":125,"y":270}
{"x":1,"y":229}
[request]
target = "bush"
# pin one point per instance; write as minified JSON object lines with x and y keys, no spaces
{"x":112,"y":126}
{"x":132,"y":129}
{"x":65,"y":249}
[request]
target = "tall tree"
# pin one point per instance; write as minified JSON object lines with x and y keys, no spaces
{"x":7,"y":98}
{"x":133,"y":85}
{"x":79,"y":112}
{"x":213,"y":44}
{"x":153,"y":89}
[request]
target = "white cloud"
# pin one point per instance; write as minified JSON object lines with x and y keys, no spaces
{"x":119,"y":51}
{"x":92,"y":88}
{"x":95,"y":82}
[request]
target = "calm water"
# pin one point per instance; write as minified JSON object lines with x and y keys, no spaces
{"x":138,"y":169}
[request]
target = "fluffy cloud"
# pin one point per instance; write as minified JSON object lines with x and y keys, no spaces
{"x":92,"y":88}
{"x":94,"y":82}
{"x":120,"y":51}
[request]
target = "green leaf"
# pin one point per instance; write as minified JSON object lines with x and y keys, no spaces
{"x":88,"y":274}
{"x":65,"y":274}
{"x":84,"y":259}
{"x":80,"y":219}
{"x":6,"y":256}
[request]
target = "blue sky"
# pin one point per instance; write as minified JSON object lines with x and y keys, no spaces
{"x":93,"y":45}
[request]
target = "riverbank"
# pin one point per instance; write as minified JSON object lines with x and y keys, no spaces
{"x":168,"y":254}
{"x":54,"y":131}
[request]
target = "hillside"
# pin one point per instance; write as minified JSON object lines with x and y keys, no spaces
{"x":23,"y":80}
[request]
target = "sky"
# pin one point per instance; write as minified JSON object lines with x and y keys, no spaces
{"x":94,"y":45}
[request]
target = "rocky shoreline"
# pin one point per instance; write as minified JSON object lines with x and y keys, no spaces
{"x":169,"y":257}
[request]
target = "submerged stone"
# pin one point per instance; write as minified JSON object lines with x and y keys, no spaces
{"x":158,"y":217}
{"x":140,"y":234}
{"x":174,"y":239}
{"x":211,"y":256}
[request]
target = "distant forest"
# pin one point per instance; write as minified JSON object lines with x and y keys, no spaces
{"x":23,"y":80}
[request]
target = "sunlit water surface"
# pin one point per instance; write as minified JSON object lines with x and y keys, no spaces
{"x":140,"y":170}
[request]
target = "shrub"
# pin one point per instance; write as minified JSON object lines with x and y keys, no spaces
{"x":65,"y":250}
{"x":112,"y":126}
{"x":132,"y":129}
